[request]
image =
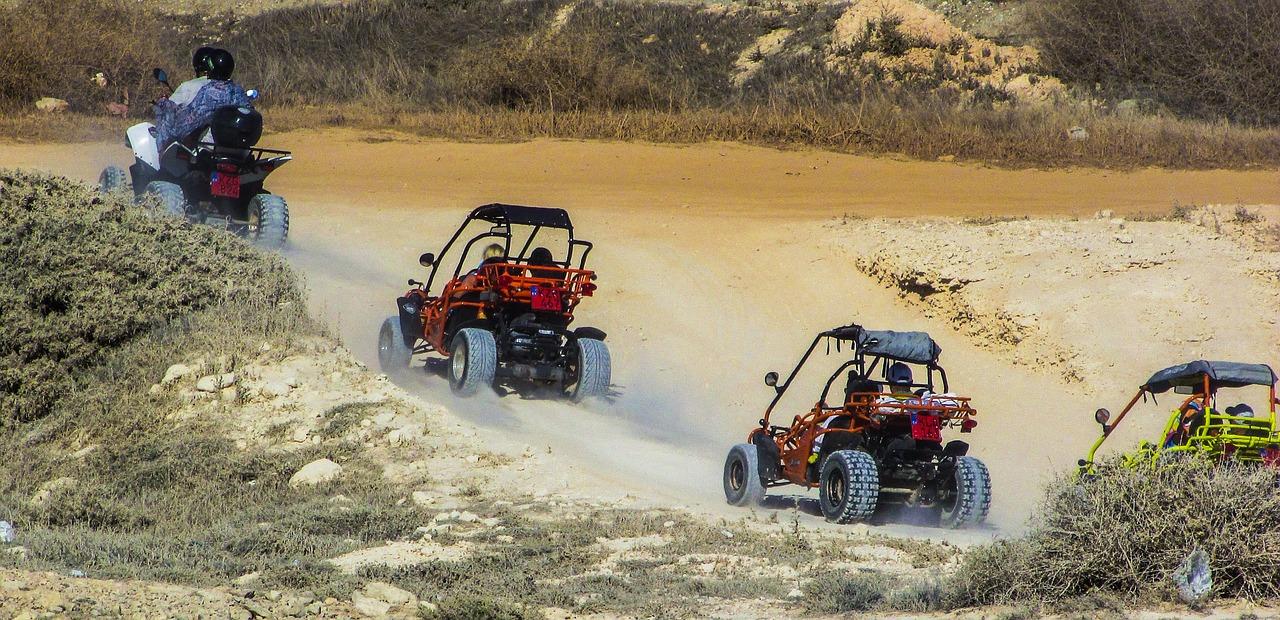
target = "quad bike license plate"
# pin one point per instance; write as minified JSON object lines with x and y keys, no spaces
{"x":925,"y":427}
{"x":224,"y":185}
{"x":546,"y":299}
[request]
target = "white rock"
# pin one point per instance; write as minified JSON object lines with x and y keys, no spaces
{"x":214,"y":383}
{"x":301,"y":434}
{"x":668,"y":524}
{"x":247,"y":578}
{"x":368,"y":606}
{"x":423,"y":498}
{"x":316,"y":472}
{"x":389,"y":594}
{"x":276,"y":388}
{"x":51,"y":104}
{"x":474,"y":458}
{"x":795,"y":593}
{"x":175,"y":372}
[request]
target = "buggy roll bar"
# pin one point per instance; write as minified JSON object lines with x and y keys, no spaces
{"x":848,"y":332}
{"x":1207,"y":393}
{"x":506,"y":236}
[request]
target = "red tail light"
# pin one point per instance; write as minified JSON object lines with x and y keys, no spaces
{"x":588,"y":289}
{"x":968,"y":425}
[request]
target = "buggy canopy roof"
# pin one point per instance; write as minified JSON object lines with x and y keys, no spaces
{"x":911,"y":347}
{"x":498,"y":213}
{"x":1221,"y":374}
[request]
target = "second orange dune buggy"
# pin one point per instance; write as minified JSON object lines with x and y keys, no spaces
{"x":506,"y":323}
{"x":881,"y":442}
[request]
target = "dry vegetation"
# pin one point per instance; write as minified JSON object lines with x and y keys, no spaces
{"x":897,"y":80}
{"x":1127,"y":531}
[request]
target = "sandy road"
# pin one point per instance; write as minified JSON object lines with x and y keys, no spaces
{"x":710,"y":275}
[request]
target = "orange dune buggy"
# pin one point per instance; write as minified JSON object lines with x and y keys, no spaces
{"x":881,"y":442}
{"x":505,"y":323}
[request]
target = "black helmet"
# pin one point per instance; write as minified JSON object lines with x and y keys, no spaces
{"x":200,"y":60}
{"x":221,"y":64}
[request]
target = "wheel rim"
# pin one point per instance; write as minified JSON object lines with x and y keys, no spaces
{"x":255,"y":222}
{"x":384,"y":347}
{"x":950,"y":492}
{"x":835,"y":488}
{"x":737,"y":474}
{"x":459,"y":362}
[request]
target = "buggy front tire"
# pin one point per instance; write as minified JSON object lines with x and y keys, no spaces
{"x":849,"y":486}
{"x":968,"y":494}
{"x":268,"y":220}
{"x":473,"y":361}
{"x":393,"y":355}
{"x":742,"y":485}
{"x":170,"y":198}
{"x":112,"y":179}
{"x":594,"y":370}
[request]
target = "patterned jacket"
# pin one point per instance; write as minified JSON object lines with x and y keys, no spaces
{"x":175,"y":122}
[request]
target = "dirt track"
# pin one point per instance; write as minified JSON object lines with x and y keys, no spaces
{"x":712,"y":271}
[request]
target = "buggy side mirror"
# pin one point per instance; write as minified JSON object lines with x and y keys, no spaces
{"x":160,"y":76}
{"x":771,"y":379}
{"x":1102,"y":416}
{"x":427,"y":259}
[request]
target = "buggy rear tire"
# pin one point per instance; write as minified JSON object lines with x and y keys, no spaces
{"x":113,"y":179}
{"x":268,"y":220}
{"x":473,"y":361}
{"x":594,"y":370}
{"x":849,"y":486}
{"x":969,"y":498}
{"x":169,"y":195}
{"x":393,"y":355}
{"x":742,"y":485}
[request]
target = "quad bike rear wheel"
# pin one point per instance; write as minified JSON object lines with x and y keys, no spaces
{"x":849,"y":486}
{"x":593,"y":370}
{"x":473,"y":361}
{"x":966,"y":497}
{"x":170,"y":197}
{"x":112,"y":179}
{"x":268,"y":220}
{"x":742,"y":485}
{"x":393,"y":355}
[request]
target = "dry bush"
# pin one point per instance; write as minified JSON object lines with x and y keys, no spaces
{"x":85,"y":273}
{"x":1128,"y":530}
{"x":53,"y":48}
{"x":1208,"y":58}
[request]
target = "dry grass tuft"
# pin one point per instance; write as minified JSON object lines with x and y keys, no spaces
{"x":1127,"y":531}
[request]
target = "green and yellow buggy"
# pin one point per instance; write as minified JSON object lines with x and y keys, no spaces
{"x":1201,"y":426}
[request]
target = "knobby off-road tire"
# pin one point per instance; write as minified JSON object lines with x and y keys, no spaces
{"x":473,"y":360}
{"x":594,"y":370}
{"x":849,"y":486}
{"x":742,"y":486}
{"x":393,"y":355}
{"x":970,"y":499}
{"x":170,"y":197}
{"x":268,"y":220}
{"x":112,"y":179}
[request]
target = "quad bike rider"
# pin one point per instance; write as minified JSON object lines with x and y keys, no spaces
{"x":880,"y":443}
{"x":1198,"y":426}
{"x":213,"y":174}
{"x":506,"y":323}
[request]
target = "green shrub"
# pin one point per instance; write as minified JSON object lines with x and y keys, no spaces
{"x":85,"y":273}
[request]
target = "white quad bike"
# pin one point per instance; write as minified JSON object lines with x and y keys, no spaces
{"x":213,"y":177}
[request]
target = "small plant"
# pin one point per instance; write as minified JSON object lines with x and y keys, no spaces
{"x":1243,"y":215}
{"x":846,"y":592}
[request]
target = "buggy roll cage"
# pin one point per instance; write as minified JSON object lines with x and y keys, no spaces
{"x":859,"y":340}
{"x":503,"y":216}
{"x":1204,"y":377}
